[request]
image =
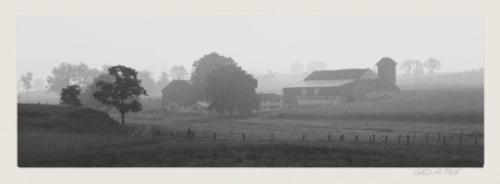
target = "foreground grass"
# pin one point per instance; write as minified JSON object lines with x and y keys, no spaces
{"x":162,"y":152}
{"x":59,"y":136}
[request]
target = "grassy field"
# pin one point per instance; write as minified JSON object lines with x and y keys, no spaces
{"x":146,"y":152}
{"x":464,"y":105}
{"x":61,"y":136}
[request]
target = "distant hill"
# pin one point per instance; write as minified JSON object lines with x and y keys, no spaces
{"x":64,"y":119}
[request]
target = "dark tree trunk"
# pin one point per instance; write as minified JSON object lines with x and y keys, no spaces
{"x":123,"y":118}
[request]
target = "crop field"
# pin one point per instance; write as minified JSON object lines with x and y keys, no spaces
{"x":309,"y":137}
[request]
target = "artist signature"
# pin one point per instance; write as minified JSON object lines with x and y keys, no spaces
{"x":437,"y":171}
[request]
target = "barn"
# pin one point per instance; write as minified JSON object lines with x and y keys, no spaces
{"x":328,"y":87}
{"x":269,"y":102}
{"x":178,"y":97}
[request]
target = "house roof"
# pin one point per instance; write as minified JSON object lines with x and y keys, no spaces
{"x":177,"y":83}
{"x":336,"y":74}
{"x":320,"y":83}
{"x":385,"y":61}
{"x":179,"y":92}
{"x":268,"y":96}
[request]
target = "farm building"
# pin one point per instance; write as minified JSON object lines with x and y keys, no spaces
{"x":178,"y":96}
{"x":269,"y":102}
{"x":335,"y":86}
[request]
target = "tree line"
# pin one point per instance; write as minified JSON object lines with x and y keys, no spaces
{"x":216,"y":79}
{"x":417,"y":68}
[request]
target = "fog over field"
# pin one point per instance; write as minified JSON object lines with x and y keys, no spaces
{"x":257,"y":43}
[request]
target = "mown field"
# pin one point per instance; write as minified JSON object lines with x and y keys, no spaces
{"x":441,"y":128}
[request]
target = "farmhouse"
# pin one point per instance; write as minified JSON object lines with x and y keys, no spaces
{"x":269,"y":102}
{"x":335,"y":86}
{"x":178,"y":96}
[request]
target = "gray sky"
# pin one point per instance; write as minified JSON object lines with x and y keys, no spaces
{"x":257,"y":43}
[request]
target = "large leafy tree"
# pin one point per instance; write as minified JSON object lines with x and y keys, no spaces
{"x":230,"y":89}
{"x":68,"y":74}
{"x":26,"y":80}
{"x":123,"y":93}
{"x":408,"y":66}
{"x":69,"y":95}
{"x":87,"y":95}
{"x":178,"y":72}
{"x":432,"y":64}
{"x":204,"y":66}
{"x":418,"y":68}
{"x":38,"y":84}
{"x":413,"y":67}
{"x":148,"y":82}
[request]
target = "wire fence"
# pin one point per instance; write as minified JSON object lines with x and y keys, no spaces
{"x":434,"y":138}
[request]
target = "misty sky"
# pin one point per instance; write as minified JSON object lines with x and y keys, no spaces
{"x":257,"y":43}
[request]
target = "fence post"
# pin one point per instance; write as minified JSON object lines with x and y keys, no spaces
{"x":356,"y":138}
{"x":342,"y":138}
{"x":407,"y":139}
{"x":399,"y":139}
{"x":373,"y":139}
{"x":172,"y":135}
{"x":214,"y":136}
{"x":329,"y":137}
{"x":427,"y":138}
{"x":243,"y":136}
{"x":386,"y":139}
{"x":444,"y":139}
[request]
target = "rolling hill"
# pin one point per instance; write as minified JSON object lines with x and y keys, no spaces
{"x":65,"y":119}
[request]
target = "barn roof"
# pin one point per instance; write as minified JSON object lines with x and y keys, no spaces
{"x":320,"y":83}
{"x":345,"y":74}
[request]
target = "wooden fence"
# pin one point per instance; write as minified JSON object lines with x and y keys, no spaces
{"x":439,"y":138}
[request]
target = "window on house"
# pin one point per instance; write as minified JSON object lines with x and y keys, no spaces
{"x":304,"y":91}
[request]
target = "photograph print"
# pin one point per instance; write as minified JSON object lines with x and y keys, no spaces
{"x":250,"y":91}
